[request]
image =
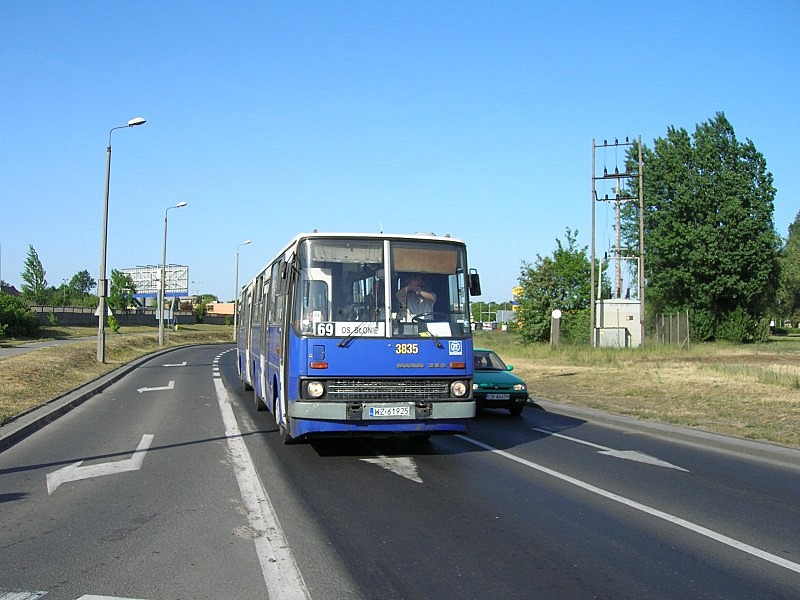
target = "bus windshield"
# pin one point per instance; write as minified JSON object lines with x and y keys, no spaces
{"x":380,"y":288}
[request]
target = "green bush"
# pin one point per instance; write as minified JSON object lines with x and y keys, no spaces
{"x":741,"y":328}
{"x":575,"y":327}
{"x":17,"y":318}
{"x":113,"y":324}
{"x":703,"y":325}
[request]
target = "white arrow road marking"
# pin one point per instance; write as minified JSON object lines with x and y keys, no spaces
{"x":183,"y":364}
{"x":169,"y":386}
{"x":24,"y":595}
{"x":400,"y":465}
{"x":75,"y":471}
{"x":93,"y":597}
{"x":699,"y":529}
{"x":623,"y":454}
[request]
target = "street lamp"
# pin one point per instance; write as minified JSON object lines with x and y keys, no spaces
{"x":164,"y":277}
{"x":102,"y":284}
{"x":236,"y":289}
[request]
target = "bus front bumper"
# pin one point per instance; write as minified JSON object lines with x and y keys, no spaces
{"x":382,"y":411}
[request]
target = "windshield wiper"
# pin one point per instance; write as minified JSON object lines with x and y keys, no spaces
{"x":362,"y":329}
{"x":427,"y":332}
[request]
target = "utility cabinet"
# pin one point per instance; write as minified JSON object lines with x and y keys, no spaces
{"x":618,"y":323}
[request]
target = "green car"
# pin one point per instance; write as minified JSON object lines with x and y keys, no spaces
{"x":494,"y":386}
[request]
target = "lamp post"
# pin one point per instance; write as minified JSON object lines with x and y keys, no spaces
{"x":164,"y":276}
{"x":102,"y":284}
{"x":236,"y":289}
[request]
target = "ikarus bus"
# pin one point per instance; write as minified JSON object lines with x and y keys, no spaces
{"x":361,"y":334}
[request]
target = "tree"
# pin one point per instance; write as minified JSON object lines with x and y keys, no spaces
{"x":82,"y":283}
{"x":200,"y":306}
{"x":34,"y":287}
{"x":709,"y":237}
{"x":789,"y":259}
{"x":122,"y":290}
{"x":16,"y":317}
{"x":79,"y":288}
{"x":558,"y":282}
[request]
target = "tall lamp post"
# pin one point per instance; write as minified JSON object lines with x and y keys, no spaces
{"x":164,"y":277}
{"x":102,"y":284}
{"x":236,"y":289}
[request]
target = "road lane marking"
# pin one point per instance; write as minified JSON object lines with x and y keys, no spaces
{"x":278,"y":566}
{"x":26,"y":595}
{"x":400,"y":465}
{"x":93,"y":597}
{"x":183,"y":364}
{"x":634,"y":455}
{"x":169,"y":386}
{"x":694,"y":527}
{"x":76,"y":472}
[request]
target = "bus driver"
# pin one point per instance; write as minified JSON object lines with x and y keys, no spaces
{"x":414,"y":297}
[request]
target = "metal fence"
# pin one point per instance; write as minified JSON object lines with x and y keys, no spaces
{"x":672,"y":329}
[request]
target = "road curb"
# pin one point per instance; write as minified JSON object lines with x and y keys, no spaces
{"x":765,"y":451}
{"x":27,"y":423}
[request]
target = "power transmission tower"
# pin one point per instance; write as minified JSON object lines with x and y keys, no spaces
{"x":618,"y":320}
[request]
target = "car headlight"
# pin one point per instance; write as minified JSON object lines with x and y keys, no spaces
{"x":474,"y":386}
{"x":458,"y":389}
{"x":315,"y":389}
{"x":519,"y":387}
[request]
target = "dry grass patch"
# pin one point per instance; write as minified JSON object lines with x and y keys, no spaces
{"x":34,"y":378}
{"x":749,"y":391}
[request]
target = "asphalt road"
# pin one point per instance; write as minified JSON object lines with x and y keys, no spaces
{"x":168,"y":484}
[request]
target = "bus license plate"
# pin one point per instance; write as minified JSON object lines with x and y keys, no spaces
{"x":389,"y":411}
{"x":497,"y":396}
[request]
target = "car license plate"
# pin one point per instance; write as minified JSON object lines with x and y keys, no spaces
{"x":498,"y":396}
{"x":389,"y":411}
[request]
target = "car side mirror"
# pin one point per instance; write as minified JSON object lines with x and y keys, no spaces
{"x":509,"y":367}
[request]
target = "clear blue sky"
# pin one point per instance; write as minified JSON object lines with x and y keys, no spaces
{"x":271,"y":118}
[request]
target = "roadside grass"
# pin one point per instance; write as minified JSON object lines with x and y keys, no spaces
{"x":34,"y":378}
{"x":748,"y":391}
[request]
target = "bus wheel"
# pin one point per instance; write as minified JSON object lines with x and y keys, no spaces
{"x":259,"y":402}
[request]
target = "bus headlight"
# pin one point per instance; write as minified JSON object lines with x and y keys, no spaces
{"x":315,"y":389}
{"x":458,"y":389}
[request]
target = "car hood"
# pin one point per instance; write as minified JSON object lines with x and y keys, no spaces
{"x":501,"y":380}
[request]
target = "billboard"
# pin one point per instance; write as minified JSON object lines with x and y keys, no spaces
{"x":146,"y":280}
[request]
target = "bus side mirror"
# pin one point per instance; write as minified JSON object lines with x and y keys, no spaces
{"x":474,"y":283}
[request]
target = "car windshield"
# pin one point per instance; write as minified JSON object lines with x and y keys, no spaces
{"x":488,"y":361}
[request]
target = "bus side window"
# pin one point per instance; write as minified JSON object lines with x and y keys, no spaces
{"x":274,"y":301}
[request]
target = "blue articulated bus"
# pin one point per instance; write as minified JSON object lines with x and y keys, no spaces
{"x":360,"y":334}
